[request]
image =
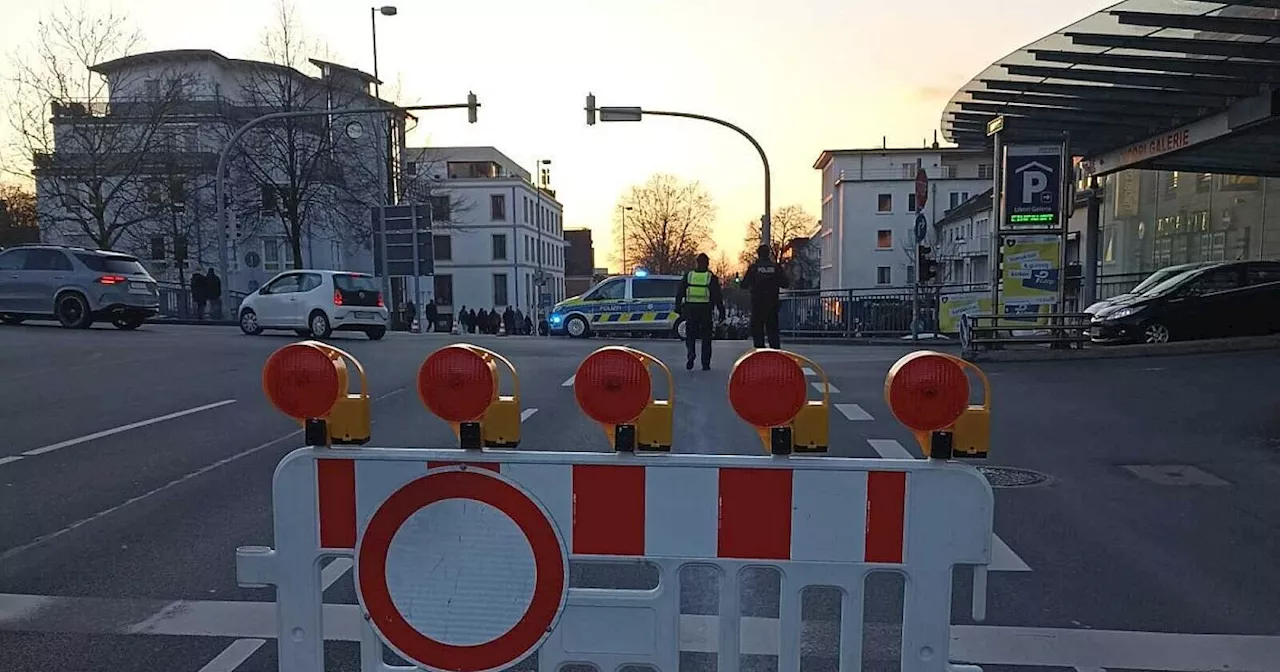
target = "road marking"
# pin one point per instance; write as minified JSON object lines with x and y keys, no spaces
{"x":524,"y":415}
{"x":569,"y":383}
{"x":809,"y":372}
{"x":832,"y":389}
{"x":10,"y":458}
{"x":1090,"y":669}
{"x":164,"y":488}
{"x":981,"y":644}
{"x":124,"y":428}
{"x":890,"y":449}
{"x":853,"y":412}
{"x":233,"y":656}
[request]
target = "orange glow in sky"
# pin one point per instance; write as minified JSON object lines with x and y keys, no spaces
{"x":801,"y":77}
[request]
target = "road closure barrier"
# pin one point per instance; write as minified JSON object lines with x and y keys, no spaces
{"x":461,"y":555}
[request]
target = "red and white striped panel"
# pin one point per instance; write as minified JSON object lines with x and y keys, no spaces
{"x":666,"y":511}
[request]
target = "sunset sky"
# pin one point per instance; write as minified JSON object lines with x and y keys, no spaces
{"x":801,"y":76}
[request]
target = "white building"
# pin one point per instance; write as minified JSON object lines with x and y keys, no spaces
{"x":962,"y":242}
{"x":147,"y":151}
{"x":869,"y":208}
{"x":498,"y":240}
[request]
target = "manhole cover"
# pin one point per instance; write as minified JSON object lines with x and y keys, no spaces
{"x":1009,"y":477}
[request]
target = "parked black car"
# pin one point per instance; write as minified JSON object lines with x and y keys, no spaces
{"x":1229,"y":299}
{"x":1147,"y":283}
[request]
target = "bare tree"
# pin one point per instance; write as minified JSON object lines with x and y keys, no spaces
{"x":786,"y":225}
{"x":668,"y":225}
{"x":725,"y":268}
{"x":307,"y":176}
{"x":17,"y":216}
{"x":93,"y":147}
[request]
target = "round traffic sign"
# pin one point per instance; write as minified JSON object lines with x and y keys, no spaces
{"x":922,"y":188}
{"x":461,"y":570}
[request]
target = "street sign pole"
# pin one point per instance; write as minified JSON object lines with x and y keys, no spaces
{"x":921,"y":230}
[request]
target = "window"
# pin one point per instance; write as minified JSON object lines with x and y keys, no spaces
{"x":285,"y":284}
{"x":335,"y":254}
{"x":528,"y":289}
{"x":441,"y":208}
{"x":911,"y":202}
{"x":611,"y":290}
{"x":499,"y":246}
{"x":277,"y":253}
{"x":652,"y":288}
{"x":310,"y":281}
{"x":1219,"y":280}
{"x":14,"y":260}
{"x":958,"y":197}
{"x":884,"y":239}
{"x":528,"y":248}
{"x":499,"y":289}
{"x":986,"y":171}
{"x":884,"y":203}
{"x":269,"y":200}
{"x":1259,"y":275}
{"x":109,"y":264}
{"x":498,"y":207}
{"x":443,"y":247}
{"x":411,"y":167}
{"x":911,"y":271}
{"x":527,"y":208}
{"x":884,"y":275}
{"x":47,"y":260}
{"x":157,"y":248}
{"x":444,"y":289}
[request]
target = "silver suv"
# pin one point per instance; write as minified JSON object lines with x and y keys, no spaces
{"x":75,"y":286}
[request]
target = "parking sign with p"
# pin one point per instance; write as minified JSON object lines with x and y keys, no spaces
{"x":1033,"y":186}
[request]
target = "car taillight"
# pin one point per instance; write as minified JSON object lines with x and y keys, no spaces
{"x":380,"y":300}
{"x":337,"y":297}
{"x":111,"y":279}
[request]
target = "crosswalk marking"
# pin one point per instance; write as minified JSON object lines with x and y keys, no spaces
{"x":524,"y":415}
{"x":830,"y":388}
{"x":569,"y":382}
{"x":853,"y":412}
{"x":890,"y":449}
{"x":809,"y":372}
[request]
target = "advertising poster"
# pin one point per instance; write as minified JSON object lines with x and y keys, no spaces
{"x":1031,"y":274}
{"x":952,"y":306}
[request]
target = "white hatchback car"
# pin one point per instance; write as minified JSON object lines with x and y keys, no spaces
{"x":316,"y":303}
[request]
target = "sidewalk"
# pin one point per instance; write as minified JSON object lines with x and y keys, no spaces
{"x":1037,"y":353}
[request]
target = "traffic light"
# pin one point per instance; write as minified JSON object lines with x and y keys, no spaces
{"x":926,"y":266}
{"x":473,"y":108}
{"x":591,"y":109}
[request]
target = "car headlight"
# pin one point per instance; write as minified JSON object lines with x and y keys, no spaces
{"x":1123,"y":312}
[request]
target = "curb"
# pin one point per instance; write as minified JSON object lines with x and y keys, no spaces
{"x":1209,"y":346}
{"x":949,"y":344}
{"x":190,"y":322}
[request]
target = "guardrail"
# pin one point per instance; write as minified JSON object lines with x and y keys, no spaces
{"x":864,"y":312}
{"x":980,"y":333}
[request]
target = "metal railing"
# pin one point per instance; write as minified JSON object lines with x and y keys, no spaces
{"x":979,"y":333}
{"x":176,"y":302}
{"x":863,"y":312}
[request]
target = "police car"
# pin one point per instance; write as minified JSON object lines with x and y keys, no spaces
{"x":631,"y":303}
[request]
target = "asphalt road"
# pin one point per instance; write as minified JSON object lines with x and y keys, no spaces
{"x":133,"y":465}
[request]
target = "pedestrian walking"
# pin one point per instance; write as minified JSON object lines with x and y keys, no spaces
{"x":765,"y":279}
{"x":698,"y":294}
{"x":199,"y":293}
{"x":213,"y":292}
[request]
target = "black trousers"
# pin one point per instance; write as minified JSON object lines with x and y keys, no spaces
{"x":764,"y":325}
{"x":697,"y":321}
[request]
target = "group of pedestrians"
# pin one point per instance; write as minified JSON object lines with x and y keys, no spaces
{"x":206,"y":290}
{"x":700,"y":294}
{"x":514,"y":321}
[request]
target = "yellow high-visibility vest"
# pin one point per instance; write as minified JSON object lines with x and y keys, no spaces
{"x":699,"y":287}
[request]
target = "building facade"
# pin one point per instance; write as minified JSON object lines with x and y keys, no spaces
{"x":498,"y":238}
{"x":869,"y":208}
{"x":135,"y":170}
{"x":580,"y":262}
{"x":962,"y":242}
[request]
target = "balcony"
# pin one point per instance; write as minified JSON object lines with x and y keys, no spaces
{"x":122,"y":163}
{"x":907,"y":172}
{"x":126,"y":108}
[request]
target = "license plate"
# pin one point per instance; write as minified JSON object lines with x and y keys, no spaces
{"x":139,"y":288}
{"x":365,"y":315}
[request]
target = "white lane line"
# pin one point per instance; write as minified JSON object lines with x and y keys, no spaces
{"x":124,"y":428}
{"x":982,"y":644}
{"x":809,"y":372}
{"x":10,"y":458}
{"x":568,"y":383}
{"x":524,"y":415}
{"x":233,"y":656}
{"x":890,"y":449}
{"x":1090,"y":669}
{"x":832,"y":389}
{"x":853,"y":412}
{"x":334,"y":571}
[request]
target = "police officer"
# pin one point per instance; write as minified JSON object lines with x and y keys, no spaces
{"x":765,"y":278}
{"x":699,"y":292}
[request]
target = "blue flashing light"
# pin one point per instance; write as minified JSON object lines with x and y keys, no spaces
{"x":640,"y":273}
{"x":557,"y":319}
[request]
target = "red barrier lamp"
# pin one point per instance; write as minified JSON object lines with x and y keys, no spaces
{"x":458,"y":384}
{"x":928,"y":392}
{"x":767,"y":389}
{"x":613,"y":387}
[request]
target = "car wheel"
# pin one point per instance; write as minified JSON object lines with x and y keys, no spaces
{"x":11,"y":319}
{"x":319,"y":324}
{"x":72,"y":311}
{"x":681,"y":330}
{"x":249,"y":322}
{"x":576,"y":327}
{"x":375,"y":333}
{"x":128,"y":323}
{"x":1155,"y":333}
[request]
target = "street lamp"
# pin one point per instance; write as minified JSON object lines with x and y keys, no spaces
{"x":637,"y":114}
{"x":541,"y":176}
{"x":625,"y":210}
{"x":385,"y":10}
